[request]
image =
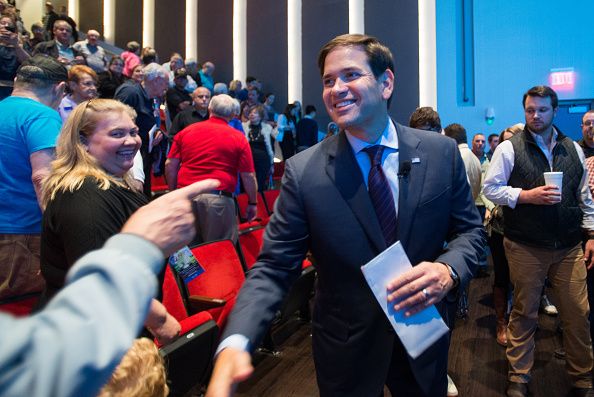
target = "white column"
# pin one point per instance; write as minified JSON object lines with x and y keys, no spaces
{"x":427,"y":54}
{"x":31,"y":11}
{"x":73,"y":10}
{"x":239,"y":39}
{"x":294,"y":50}
{"x":148,"y":23}
{"x":192,"y":29}
{"x":109,"y":21}
{"x":356,"y":16}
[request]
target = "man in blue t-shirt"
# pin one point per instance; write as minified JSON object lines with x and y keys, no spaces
{"x":29,"y":129}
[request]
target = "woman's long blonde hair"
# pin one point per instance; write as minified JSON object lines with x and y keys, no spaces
{"x":73,"y":163}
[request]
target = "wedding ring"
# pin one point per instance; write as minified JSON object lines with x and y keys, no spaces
{"x":426,"y":293}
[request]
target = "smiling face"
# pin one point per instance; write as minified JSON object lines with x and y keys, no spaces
{"x":138,"y":74}
{"x":114,"y":143}
{"x":354,"y":98}
{"x":254,"y":117}
{"x":84,"y":89}
{"x":92,"y":37}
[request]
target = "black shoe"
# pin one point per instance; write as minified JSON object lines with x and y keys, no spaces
{"x":582,"y":392}
{"x":515,"y":389}
{"x":560,"y":353}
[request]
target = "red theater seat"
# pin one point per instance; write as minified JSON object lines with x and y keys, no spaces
{"x":188,"y":359}
{"x":222,"y":278}
{"x":270,"y":197}
{"x":21,"y":306}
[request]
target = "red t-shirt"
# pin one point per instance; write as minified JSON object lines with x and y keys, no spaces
{"x":211,"y":149}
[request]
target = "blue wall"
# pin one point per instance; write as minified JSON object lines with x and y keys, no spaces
{"x":515,"y":46}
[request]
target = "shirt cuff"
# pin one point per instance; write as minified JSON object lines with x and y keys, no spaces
{"x":236,"y":341}
{"x":514,"y":196}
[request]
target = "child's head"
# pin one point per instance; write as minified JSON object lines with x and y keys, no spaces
{"x":141,"y":373}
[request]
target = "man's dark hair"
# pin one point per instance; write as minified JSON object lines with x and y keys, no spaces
{"x":379,"y":57}
{"x":40,"y":72}
{"x":310,"y":109}
{"x":425,"y":118}
{"x":491,"y":137}
{"x":249,"y":79}
{"x":542,"y":91}
{"x":457,"y":132}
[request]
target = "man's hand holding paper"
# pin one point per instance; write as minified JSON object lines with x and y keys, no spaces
{"x":422,"y":286}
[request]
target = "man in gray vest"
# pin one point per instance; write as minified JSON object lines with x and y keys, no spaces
{"x":543,"y":229}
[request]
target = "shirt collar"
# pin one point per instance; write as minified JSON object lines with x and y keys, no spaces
{"x":62,"y":46}
{"x":538,"y":138}
{"x":388,"y":138}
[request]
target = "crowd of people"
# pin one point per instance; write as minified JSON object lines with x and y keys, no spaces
{"x":84,"y":131}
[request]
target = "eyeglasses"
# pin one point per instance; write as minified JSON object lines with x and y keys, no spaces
{"x":588,"y":123}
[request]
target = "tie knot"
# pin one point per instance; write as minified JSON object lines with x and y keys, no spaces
{"x":375,"y":154}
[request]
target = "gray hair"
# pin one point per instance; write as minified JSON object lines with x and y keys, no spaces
{"x":153,"y":71}
{"x":222,"y":106}
{"x":220,"y":88}
{"x":236,"y":107}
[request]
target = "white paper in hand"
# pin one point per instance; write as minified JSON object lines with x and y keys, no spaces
{"x":151,"y":135}
{"x":418,"y":331}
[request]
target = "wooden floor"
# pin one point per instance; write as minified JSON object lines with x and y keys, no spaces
{"x":477,"y":364}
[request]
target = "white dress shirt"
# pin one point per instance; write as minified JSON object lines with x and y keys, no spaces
{"x":497,"y":190}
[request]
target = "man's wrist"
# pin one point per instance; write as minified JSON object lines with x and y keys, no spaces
{"x":453,"y":275}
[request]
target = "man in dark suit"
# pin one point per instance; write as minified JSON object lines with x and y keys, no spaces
{"x":307,"y":129}
{"x":327,"y":206}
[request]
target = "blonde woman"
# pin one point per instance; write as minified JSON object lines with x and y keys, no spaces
{"x":88,"y":195}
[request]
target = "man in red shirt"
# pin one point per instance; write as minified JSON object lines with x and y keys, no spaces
{"x":214,"y":150}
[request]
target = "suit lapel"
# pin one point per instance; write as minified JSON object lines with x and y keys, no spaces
{"x":410,"y":187}
{"x":343,"y":170}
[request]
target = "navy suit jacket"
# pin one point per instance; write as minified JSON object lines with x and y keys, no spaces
{"x":324,"y":207}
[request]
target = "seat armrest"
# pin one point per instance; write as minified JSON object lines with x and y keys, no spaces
{"x":200,"y":303}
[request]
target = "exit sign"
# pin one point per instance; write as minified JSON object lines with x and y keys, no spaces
{"x":562,"y":79}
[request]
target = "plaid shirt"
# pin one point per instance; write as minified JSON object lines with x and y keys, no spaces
{"x":590,"y":166}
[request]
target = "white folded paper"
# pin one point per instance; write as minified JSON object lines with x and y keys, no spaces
{"x":151,"y":136}
{"x":418,"y":331}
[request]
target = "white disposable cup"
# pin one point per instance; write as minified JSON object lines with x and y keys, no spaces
{"x":554,"y":178}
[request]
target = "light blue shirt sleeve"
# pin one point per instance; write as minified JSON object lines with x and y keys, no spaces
{"x":72,"y":347}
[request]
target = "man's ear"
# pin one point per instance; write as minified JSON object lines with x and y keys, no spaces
{"x":386,"y":79}
{"x":60,"y":89}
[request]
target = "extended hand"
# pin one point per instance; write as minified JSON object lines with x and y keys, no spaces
{"x":168,"y":221}
{"x":231,"y":367}
{"x":542,"y":195}
{"x":423,"y":285}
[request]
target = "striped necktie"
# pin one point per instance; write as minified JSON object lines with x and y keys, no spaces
{"x":381,"y":194}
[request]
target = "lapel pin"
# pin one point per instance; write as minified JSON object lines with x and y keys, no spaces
{"x":415,"y":160}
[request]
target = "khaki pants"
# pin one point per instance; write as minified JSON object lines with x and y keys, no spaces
{"x":216,"y":218}
{"x":565,"y":269}
{"x":19,"y":265}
